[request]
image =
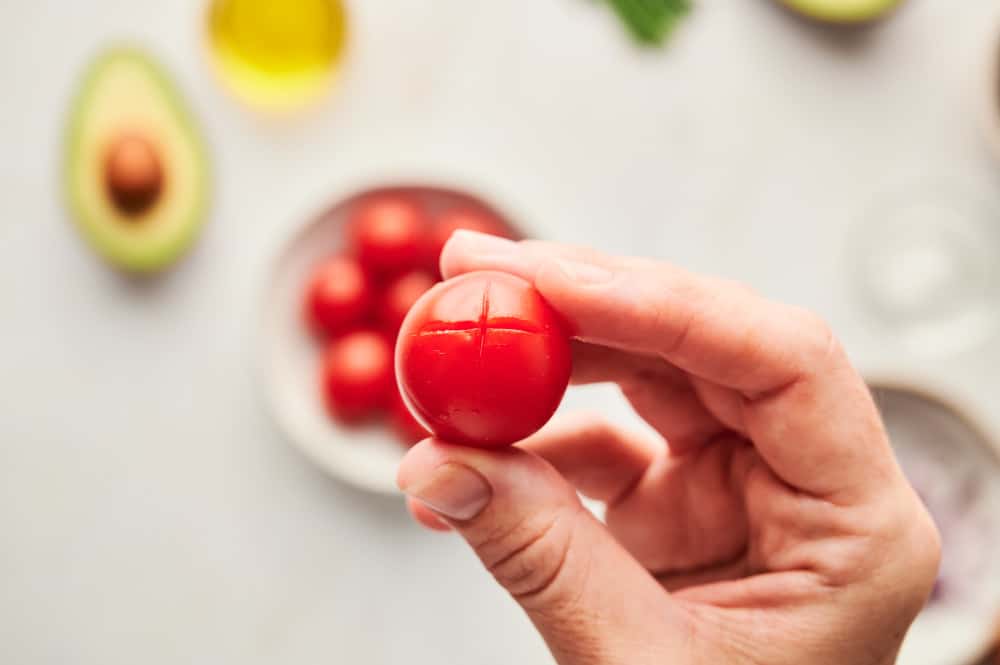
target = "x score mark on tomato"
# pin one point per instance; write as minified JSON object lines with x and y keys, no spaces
{"x":483,"y":360}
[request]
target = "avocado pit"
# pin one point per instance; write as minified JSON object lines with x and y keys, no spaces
{"x":133,"y":174}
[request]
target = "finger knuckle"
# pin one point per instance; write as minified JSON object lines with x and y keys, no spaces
{"x":738,"y":288}
{"x":927,"y":550}
{"x":818,"y":336}
{"x":529,"y":560}
{"x":918,"y":561}
{"x":902,"y":528}
{"x":598,"y":428}
{"x":534,"y":247}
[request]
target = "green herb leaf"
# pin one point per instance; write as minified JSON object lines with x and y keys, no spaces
{"x":651,"y":21}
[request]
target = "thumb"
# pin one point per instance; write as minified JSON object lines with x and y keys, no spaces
{"x":590,"y":600}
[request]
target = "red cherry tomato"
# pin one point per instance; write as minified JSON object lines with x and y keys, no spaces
{"x":482,"y":360}
{"x":338,"y":298}
{"x":387,"y":234}
{"x":458,"y":219}
{"x":399,"y":296}
{"x":407,"y":428}
{"x":357,"y":375}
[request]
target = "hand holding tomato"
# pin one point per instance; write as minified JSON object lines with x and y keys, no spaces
{"x":768,"y":523}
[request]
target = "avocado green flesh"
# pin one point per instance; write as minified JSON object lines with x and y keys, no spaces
{"x":842,"y":11}
{"x":126,"y":92}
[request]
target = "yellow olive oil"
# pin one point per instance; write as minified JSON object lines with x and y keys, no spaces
{"x":277,"y":54}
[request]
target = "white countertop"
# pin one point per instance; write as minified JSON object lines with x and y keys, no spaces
{"x":149,"y":510}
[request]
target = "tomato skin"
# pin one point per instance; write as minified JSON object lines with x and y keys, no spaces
{"x":339,"y":297}
{"x":399,"y":296}
{"x":482,"y":360}
{"x":357,"y":376}
{"x":458,"y":219}
{"x":408,"y":429}
{"x":387,"y":234}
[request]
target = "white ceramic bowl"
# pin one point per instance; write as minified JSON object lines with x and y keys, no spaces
{"x":954,"y":463}
{"x":365,"y":456}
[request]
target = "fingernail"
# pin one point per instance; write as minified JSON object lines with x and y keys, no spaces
{"x":454,"y":490}
{"x":485,"y":244}
{"x":584,"y":273}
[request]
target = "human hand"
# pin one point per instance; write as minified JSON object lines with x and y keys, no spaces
{"x":774,"y":527}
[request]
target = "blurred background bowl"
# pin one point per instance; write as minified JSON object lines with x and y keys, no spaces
{"x":953,"y":462}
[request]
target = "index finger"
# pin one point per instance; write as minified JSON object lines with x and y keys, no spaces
{"x":707,"y":327}
{"x":801,"y":402}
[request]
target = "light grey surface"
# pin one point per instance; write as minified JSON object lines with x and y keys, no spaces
{"x":149,"y":510}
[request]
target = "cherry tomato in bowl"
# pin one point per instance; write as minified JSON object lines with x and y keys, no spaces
{"x":357,"y":376}
{"x":463,"y":218}
{"x":483,"y":360}
{"x":399,"y":296}
{"x":338,"y":297}
{"x":388,"y":233}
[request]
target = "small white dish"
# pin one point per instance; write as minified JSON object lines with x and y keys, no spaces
{"x":954,"y":464}
{"x":365,"y":456}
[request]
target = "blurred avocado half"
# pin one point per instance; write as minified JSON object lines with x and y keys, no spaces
{"x":136,"y":168}
{"x":843,"y":11}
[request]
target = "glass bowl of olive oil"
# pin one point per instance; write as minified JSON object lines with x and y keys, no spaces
{"x":277,"y":55}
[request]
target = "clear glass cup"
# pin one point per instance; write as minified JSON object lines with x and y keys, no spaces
{"x":927,"y":268}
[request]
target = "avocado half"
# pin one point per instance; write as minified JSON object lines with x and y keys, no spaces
{"x":136,"y":168}
{"x":842,"y":11}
